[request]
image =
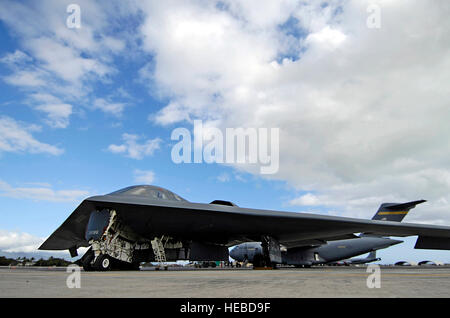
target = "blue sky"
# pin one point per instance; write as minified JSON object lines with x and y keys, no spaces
{"x":88,"y":111}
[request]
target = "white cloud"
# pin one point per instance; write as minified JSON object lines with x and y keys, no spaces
{"x":59,"y":51}
{"x":19,"y":242}
{"x":16,"y":58}
{"x":22,"y":242}
{"x":41,"y":192}
{"x":61,"y":61}
{"x":224,"y":177}
{"x":64,"y":61}
{"x":135,"y":150}
{"x":15,"y":137}
{"x":170,"y":114}
{"x":363,"y":113}
{"x":326,"y":38}
{"x":29,"y":78}
{"x":58,"y":114}
{"x":115,"y":109}
{"x":144,"y":176}
{"x":306,"y":199}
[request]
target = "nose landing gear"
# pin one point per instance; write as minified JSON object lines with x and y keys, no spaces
{"x":103,"y":263}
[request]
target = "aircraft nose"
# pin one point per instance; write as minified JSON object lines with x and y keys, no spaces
{"x":394,"y":242}
{"x":233,"y":253}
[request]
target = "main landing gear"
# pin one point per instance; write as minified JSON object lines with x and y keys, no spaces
{"x":105,"y":262}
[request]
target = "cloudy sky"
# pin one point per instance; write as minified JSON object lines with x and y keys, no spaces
{"x":363,"y":112}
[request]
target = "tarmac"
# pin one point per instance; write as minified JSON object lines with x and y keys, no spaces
{"x":316,"y":282}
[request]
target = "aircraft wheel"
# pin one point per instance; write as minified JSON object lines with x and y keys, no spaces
{"x":103,"y":263}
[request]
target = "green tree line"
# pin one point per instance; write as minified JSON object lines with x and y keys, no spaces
{"x":52,"y":261}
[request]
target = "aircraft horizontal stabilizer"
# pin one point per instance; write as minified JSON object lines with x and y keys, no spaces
{"x":403,"y":206}
{"x":395,"y":211}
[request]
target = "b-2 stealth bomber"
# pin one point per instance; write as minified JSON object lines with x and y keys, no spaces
{"x":151,"y":224}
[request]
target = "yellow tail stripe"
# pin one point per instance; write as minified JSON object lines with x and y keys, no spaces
{"x":398,"y":212}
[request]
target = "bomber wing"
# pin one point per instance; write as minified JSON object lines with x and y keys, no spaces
{"x":229,"y":224}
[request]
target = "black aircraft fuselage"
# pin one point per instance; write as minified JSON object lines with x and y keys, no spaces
{"x":148,"y":223}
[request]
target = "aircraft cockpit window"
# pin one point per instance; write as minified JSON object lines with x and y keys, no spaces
{"x":149,"y":192}
{"x":138,"y":191}
{"x":160,"y":195}
{"x":177,"y":197}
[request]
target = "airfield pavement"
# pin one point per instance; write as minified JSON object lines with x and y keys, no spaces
{"x":429,"y":281}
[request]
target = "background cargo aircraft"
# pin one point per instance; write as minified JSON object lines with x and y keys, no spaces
{"x":331,"y":253}
{"x":148,"y":223}
{"x":334,"y":251}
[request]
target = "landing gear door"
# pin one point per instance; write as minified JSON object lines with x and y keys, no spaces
{"x":316,"y":257}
